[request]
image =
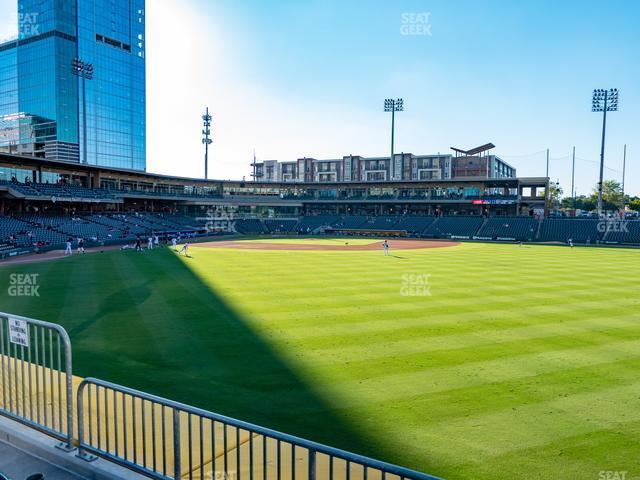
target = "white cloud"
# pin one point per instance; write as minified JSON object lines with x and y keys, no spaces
{"x":8,"y":19}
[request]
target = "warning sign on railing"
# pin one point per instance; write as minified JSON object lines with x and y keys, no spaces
{"x":18,"y":332}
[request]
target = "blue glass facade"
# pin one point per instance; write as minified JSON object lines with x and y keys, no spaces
{"x":47,"y":110}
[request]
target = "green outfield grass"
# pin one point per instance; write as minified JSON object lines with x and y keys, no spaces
{"x":521,"y":363}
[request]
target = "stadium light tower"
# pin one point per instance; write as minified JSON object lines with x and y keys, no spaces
{"x":603,"y":101}
{"x":85,"y":71}
{"x":393,"y":106}
{"x":206,"y":132}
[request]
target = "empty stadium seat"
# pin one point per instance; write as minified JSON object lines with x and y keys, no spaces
{"x":457,"y":226}
{"x":415,"y":225}
{"x":518,"y":228}
{"x":580,"y":230}
{"x":310,"y":223}
{"x":251,"y":226}
{"x":381,"y":223}
{"x":351,"y":222}
{"x":281,"y":225}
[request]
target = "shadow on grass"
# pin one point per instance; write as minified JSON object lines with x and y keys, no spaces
{"x":113,"y":304}
{"x":168,"y":333}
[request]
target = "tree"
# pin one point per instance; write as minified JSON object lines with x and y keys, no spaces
{"x":611,"y":195}
{"x":584,"y":203}
{"x":555,"y":194}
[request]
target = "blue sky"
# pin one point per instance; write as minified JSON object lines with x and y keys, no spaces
{"x":308,"y":78}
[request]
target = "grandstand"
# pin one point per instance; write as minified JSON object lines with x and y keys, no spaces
{"x":47,"y":231}
{"x":108,"y":206}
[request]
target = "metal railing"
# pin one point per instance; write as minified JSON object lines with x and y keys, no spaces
{"x":164,"y":439}
{"x":36,"y":376}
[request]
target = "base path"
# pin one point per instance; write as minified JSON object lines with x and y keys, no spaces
{"x":346,"y":245}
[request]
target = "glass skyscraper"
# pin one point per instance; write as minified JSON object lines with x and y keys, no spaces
{"x":51,"y":107}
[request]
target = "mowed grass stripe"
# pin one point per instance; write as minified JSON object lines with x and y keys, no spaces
{"x":424,"y":382}
{"x":441,"y":322}
{"x":442,"y":406}
{"x":427,"y":355}
{"x":404,"y":340}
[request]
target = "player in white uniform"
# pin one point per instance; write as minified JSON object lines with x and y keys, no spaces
{"x":150,"y":243}
{"x":68,"y":250}
{"x":184,"y":249}
{"x":385,"y":246}
{"x":174,"y":242}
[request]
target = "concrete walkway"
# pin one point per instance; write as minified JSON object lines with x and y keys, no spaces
{"x":24,"y":451}
{"x":18,"y":465}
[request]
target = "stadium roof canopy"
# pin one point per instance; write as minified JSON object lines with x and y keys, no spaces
{"x":476,"y":150}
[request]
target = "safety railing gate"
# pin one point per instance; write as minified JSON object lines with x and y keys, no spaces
{"x":168,"y":440}
{"x":36,"y":376}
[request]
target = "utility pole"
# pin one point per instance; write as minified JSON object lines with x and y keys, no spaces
{"x":547,"y":175}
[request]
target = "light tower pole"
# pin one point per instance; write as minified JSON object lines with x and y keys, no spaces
{"x":206,"y":132}
{"x":624,"y":172}
{"x":85,"y":72}
{"x":573,"y":180}
{"x":603,"y":101}
{"x":393,"y":106}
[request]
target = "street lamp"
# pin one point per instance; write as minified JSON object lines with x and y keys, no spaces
{"x":83,"y":70}
{"x":393,"y":106}
{"x":206,"y":132}
{"x":603,"y":101}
